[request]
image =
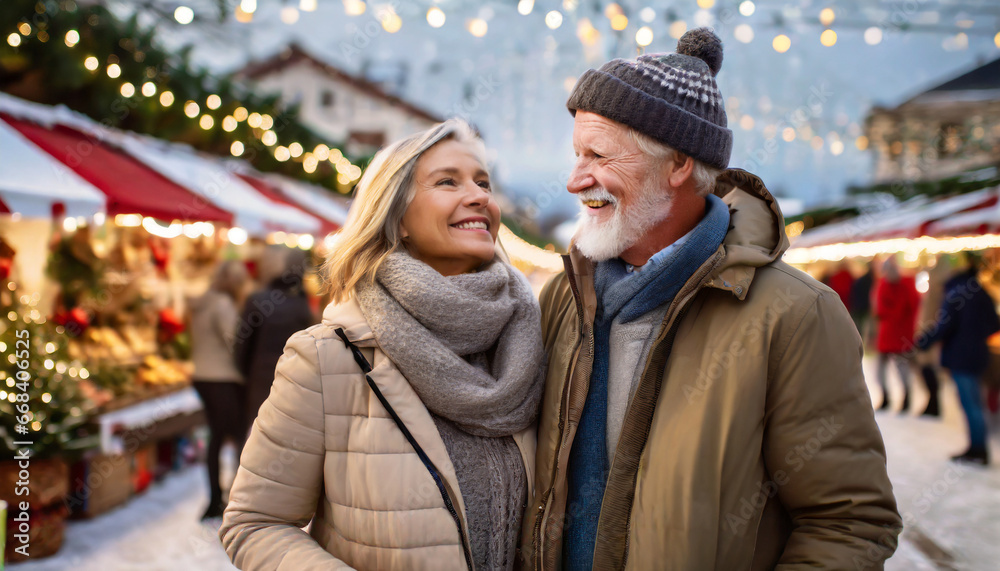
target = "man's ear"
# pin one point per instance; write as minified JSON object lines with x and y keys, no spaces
{"x":680,"y":170}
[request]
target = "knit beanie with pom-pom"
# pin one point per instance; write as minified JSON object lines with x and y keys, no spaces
{"x":672,"y":98}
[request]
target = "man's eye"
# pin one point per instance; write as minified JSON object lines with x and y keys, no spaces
{"x":485,"y":184}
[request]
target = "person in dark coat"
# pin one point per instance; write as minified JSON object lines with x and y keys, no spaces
{"x":967,"y":317}
{"x":861,"y":302}
{"x":270,"y":317}
{"x":896,"y":305}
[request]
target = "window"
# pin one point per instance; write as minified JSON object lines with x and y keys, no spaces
{"x":326,"y":98}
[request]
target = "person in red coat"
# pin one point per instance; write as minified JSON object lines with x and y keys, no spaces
{"x":897,"y":303}
{"x":840,"y":282}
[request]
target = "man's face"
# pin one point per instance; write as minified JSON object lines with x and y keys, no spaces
{"x":618,"y":186}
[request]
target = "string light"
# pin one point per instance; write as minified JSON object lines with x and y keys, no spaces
{"x":184,"y":15}
{"x":391,"y":22}
{"x":677,"y":29}
{"x":166,"y":99}
{"x":269,"y":138}
{"x":354,"y":7}
{"x":524,"y":7}
{"x":788,"y":134}
{"x":912,"y":248}
{"x":647,"y":14}
{"x":612,"y":10}
{"x":240,"y":114}
{"x":644,"y":36}
{"x":321,"y":151}
{"x":213,"y":101}
{"x":149,"y":89}
{"x":307,"y":5}
{"x":72,"y":38}
{"x":706,"y":4}
{"x":24,"y":28}
{"x":826,"y":16}
{"x":127,"y":90}
{"x":229,"y":123}
{"x":743,"y":33}
{"x":435,"y":17}
{"x":295,"y":149}
{"x":114,"y":71}
{"x":289,"y":15}
{"x":206,"y":122}
{"x":191,"y":109}
{"x":266,"y":121}
{"x":310,"y":163}
{"x":253,"y":119}
{"x":828,"y":38}
{"x":91,"y":63}
{"x":14,"y":40}
{"x":873,"y":36}
{"x":747,"y":8}
{"x":554,"y":19}
{"x":861,"y":143}
{"x":619,"y":22}
{"x":781,"y":43}
{"x":281,"y":154}
{"x":236,"y":149}
{"x":477,"y":27}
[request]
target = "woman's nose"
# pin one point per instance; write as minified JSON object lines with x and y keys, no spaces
{"x":477,"y":196}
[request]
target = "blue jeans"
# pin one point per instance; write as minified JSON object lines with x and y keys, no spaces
{"x":972,"y":403}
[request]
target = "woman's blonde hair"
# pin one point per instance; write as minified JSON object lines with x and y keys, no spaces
{"x":372,"y":230}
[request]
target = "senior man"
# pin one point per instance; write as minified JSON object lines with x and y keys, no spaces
{"x":705,"y":406}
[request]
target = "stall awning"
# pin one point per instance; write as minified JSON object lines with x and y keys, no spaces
{"x":275,"y":193}
{"x":208,"y":178}
{"x":35,"y":185}
{"x":131,"y":187}
{"x":919,"y":216}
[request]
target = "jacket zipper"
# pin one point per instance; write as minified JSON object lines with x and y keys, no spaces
{"x":366,"y":368}
{"x":669,"y":340}
{"x":563,"y":412}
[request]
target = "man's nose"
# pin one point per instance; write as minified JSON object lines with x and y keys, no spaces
{"x":580,"y":179}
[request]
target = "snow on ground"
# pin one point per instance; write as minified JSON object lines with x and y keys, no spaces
{"x":953,"y":511}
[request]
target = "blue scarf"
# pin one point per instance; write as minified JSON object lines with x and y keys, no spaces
{"x":624,"y":296}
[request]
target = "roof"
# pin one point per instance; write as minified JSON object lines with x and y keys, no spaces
{"x":293,"y":54}
{"x":983,"y":77}
{"x":979,"y":84}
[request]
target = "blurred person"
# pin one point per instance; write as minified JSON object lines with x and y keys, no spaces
{"x":967,"y":318}
{"x":270,"y":317}
{"x":426,"y":462}
{"x":861,"y":302}
{"x":840,"y":281}
{"x":213,"y":320}
{"x":897,"y":302}
{"x":926,"y":359}
{"x":689,"y":365}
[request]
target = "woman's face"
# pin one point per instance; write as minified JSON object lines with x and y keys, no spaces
{"x":452,"y":222}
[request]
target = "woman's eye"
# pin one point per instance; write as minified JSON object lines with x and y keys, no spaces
{"x":446,"y":181}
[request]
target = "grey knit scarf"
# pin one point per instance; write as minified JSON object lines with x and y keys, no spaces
{"x":470,"y":345}
{"x":471,"y":348}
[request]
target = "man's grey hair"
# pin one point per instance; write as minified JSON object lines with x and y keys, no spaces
{"x":704,"y":175}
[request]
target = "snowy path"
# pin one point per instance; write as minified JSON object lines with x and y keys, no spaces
{"x":954,"y":510}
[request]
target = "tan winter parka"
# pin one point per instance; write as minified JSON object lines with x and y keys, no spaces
{"x":750,"y":440}
{"x":325,"y":450}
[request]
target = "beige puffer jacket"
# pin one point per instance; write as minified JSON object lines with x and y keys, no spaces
{"x":324,"y":449}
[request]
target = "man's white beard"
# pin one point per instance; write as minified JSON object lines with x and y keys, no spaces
{"x":601,"y":241}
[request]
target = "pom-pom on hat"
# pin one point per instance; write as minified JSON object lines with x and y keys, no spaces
{"x":672,"y":98}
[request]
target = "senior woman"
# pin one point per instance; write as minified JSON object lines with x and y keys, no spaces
{"x":425,"y":462}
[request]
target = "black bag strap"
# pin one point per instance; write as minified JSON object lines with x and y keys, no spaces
{"x":366,"y":367}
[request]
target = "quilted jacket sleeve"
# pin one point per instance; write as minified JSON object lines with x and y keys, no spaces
{"x":280,"y":478}
{"x":824,"y":449}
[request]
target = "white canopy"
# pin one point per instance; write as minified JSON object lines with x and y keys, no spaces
{"x":31,"y":180}
{"x":208,"y":178}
